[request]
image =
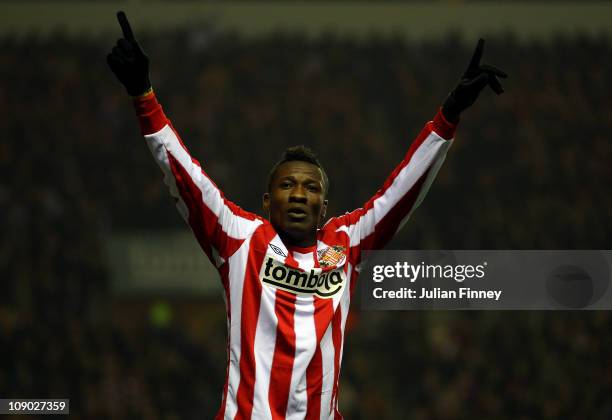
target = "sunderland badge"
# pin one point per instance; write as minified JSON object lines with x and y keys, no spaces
{"x":333,"y":255}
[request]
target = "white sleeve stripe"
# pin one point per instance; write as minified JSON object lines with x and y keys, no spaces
{"x":166,"y":140}
{"x":426,"y":185}
{"x":433,"y":149}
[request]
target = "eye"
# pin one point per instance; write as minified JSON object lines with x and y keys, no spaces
{"x":285,"y":184}
{"x":313,"y":188}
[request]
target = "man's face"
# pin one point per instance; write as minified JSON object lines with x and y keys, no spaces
{"x":296,"y":202}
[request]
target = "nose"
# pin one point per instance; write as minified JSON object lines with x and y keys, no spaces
{"x":298,"y":194}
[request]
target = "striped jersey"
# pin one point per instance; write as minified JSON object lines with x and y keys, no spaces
{"x":287,"y":306}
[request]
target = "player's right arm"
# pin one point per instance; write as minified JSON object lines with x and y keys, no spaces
{"x":219,"y":225}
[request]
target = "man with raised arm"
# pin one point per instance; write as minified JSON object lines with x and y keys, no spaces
{"x":288,"y":278}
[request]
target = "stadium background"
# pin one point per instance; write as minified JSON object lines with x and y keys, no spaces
{"x":241,"y":81}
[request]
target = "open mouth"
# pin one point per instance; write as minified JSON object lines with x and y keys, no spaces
{"x":296,"y":213}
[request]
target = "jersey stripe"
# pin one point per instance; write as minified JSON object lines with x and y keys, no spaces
{"x":323,"y":313}
{"x":345,"y":301}
{"x":236,"y":275}
{"x":336,"y":340}
{"x":327,"y":368}
{"x":251,"y":298}
{"x":304,"y":336}
{"x":314,"y":369}
{"x":224,"y":272}
{"x":264,"y":344}
{"x":284,"y":353}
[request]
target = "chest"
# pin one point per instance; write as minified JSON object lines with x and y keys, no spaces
{"x":318,"y":272}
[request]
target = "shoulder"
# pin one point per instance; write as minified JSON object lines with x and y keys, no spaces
{"x":334,"y":228}
{"x":345,"y":221}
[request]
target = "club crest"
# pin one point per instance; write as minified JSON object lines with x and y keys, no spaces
{"x":333,"y":255}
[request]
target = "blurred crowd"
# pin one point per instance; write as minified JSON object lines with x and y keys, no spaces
{"x":529,"y":170}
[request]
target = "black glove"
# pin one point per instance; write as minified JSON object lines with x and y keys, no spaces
{"x":129,"y":63}
{"x":475,"y":78}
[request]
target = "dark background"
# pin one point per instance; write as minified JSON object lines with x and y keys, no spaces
{"x":529,"y":170}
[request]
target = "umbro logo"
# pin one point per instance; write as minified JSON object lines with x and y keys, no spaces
{"x":277,"y":250}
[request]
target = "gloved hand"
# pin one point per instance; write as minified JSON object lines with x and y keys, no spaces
{"x":129,"y":63}
{"x":475,"y":78}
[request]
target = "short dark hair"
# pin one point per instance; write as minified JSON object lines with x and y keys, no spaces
{"x":303,"y":154}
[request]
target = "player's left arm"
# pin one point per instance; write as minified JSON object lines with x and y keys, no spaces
{"x":373,"y":225}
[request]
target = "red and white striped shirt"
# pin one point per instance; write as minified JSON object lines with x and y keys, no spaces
{"x":287,"y":306}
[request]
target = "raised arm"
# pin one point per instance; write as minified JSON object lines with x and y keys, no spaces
{"x":373,"y":225}
{"x":219,"y":225}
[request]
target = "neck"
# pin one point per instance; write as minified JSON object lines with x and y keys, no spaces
{"x":302,"y":242}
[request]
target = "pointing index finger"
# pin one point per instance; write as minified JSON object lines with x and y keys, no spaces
{"x":125,"y":26}
{"x":474,"y":62}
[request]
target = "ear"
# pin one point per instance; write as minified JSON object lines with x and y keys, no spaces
{"x":323,"y":211}
{"x":266,"y":203}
